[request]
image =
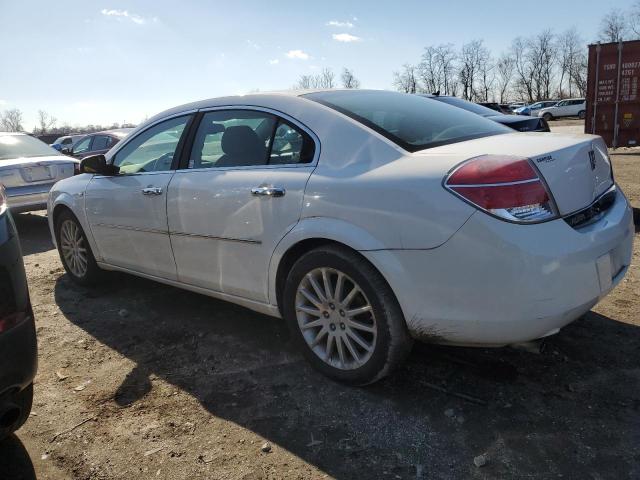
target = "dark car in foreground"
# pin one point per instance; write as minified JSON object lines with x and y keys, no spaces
{"x":96,"y":143}
{"x":516,"y":122}
{"x":18,"y":351}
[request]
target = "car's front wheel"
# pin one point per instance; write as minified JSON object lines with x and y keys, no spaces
{"x":582,"y":114}
{"x":344,"y":317}
{"x":75,"y":251}
{"x":547,"y":116}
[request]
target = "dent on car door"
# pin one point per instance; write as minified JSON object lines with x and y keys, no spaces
{"x":127,"y":212}
{"x":240,"y":192}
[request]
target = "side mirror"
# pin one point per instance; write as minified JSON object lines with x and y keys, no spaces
{"x":66,"y":150}
{"x":97,"y":164}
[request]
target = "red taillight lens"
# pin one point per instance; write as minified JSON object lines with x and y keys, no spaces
{"x":507,"y":187}
{"x":10,"y":321}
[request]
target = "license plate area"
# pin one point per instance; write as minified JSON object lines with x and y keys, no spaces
{"x":609,"y":267}
{"x":36,"y":173}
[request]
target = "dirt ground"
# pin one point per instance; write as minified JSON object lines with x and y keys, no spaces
{"x":138,"y":380}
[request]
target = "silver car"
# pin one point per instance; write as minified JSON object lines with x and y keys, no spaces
{"x":28,"y":170}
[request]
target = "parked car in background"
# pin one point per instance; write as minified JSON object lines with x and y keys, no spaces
{"x":18,"y":351}
{"x":66,"y":141}
{"x":515,"y":105}
{"x":431,"y":232}
{"x":532,"y":110}
{"x":28,"y":170}
{"x":512,"y":121}
{"x":572,"y":107}
{"x":96,"y":143}
{"x":497,"y":107}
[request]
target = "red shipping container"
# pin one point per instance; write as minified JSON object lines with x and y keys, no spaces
{"x":613,"y":101}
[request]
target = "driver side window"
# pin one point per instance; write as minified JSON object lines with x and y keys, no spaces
{"x":153,"y":149}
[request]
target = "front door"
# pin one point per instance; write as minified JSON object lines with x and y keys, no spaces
{"x":128,"y":212}
{"x":241,"y":192}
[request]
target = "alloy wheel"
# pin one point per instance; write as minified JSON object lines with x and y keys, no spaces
{"x":336,"y":318}
{"x":73,"y":248}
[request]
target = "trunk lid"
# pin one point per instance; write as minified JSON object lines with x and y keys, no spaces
{"x":576,"y":168}
{"x":36,"y":170}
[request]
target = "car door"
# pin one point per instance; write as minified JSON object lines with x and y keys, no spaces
{"x":240,"y":192}
{"x":127,"y":212}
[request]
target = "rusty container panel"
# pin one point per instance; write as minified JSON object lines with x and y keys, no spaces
{"x":613,"y":104}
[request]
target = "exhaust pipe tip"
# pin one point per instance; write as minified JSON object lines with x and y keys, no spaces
{"x":9,"y":417}
{"x":534,"y":346}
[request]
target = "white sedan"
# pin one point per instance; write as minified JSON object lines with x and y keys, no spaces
{"x":366,"y":219}
{"x":28,"y":170}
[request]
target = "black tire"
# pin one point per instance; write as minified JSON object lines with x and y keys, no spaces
{"x":393,"y":341}
{"x":582,"y":114}
{"x":93,"y":273}
{"x":547,"y":116}
{"x":23,"y":401}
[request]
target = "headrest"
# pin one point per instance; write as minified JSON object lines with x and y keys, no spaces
{"x":241,"y":140}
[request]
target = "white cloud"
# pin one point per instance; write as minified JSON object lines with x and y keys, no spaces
{"x":345,"y":37}
{"x":297,"y":54}
{"x":126,"y":15}
{"x":337,"y":23}
{"x":275,"y":61}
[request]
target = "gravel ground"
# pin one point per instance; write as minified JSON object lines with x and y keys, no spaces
{"x":141,"y":380}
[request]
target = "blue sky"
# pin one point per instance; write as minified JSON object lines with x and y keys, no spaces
{"x":104,"y":61}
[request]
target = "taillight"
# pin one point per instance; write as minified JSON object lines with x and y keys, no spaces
{"x":507,"y":187}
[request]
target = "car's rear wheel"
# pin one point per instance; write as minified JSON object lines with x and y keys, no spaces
{"x":582,"y":114}
{"x":13,"y":418}
{"x":344,"y":317}
{"x":75,"y":251}
{"x":547,"y":116}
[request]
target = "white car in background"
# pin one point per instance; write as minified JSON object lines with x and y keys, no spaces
{"x":28,"y":170}
{"x":571,"y":107}
{"x":365,"y":218}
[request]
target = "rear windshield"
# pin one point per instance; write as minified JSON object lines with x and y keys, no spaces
{"x":19,"y":146}
{"x":411,"y":121}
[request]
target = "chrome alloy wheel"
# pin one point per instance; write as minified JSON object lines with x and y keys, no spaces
{"x":336,"y":318}
{"x":73,"y":248}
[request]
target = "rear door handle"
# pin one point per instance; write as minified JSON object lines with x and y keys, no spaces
{"x":152,"y":191}
{"x":265,"y":191}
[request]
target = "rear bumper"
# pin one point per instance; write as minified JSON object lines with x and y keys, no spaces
{"x":496,"y":283}
{"x":18,"y":350}
{"x":28,"y":197}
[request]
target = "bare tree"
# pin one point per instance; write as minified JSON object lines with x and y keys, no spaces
{"x":487,"y":75}
{"x":325,"y":79}
{"x":348,"y":79}
{"x":304,"y":83}
{"x":473,"y":58}
{"x":11,"y":120}
{"x":613,"y":27}
{"x":504,"y":71}
{"x":579,"y":72}
{"x":634,"y":19}
{"x":437,"y":68}
{"x":406,"y":80}
{"x":570,"y":47}
{"x":542,"y":54}
{"x":45,"y":122}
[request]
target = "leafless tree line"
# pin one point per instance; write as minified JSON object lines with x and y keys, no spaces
{"x":326,"y":79}
{"x":543,"y":66}
{"x":619,"y":24}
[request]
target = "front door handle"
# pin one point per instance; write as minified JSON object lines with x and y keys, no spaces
{"x":265,"y":191}
{"x":152,"y":191}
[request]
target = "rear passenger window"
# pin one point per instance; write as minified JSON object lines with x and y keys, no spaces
{"x":100,"y":142}
{"x":290,"y":146}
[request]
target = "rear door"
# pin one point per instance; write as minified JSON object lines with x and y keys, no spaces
{"x":128,"y":212}
{"x":240,"y":192}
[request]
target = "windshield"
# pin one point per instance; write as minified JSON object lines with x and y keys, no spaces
{"x":469,"y":106}
{"x":411,"y":121}
{"x":20,"y":146}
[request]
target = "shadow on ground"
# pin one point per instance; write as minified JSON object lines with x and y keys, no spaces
{"x":34,"y":233}
{"x":571,"y":412}
{"x":15,"y":463}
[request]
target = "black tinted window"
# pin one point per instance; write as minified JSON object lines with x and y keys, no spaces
{"x":290,"y":145}
{"x":100,"y":142}
{"x":411,"y":121}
